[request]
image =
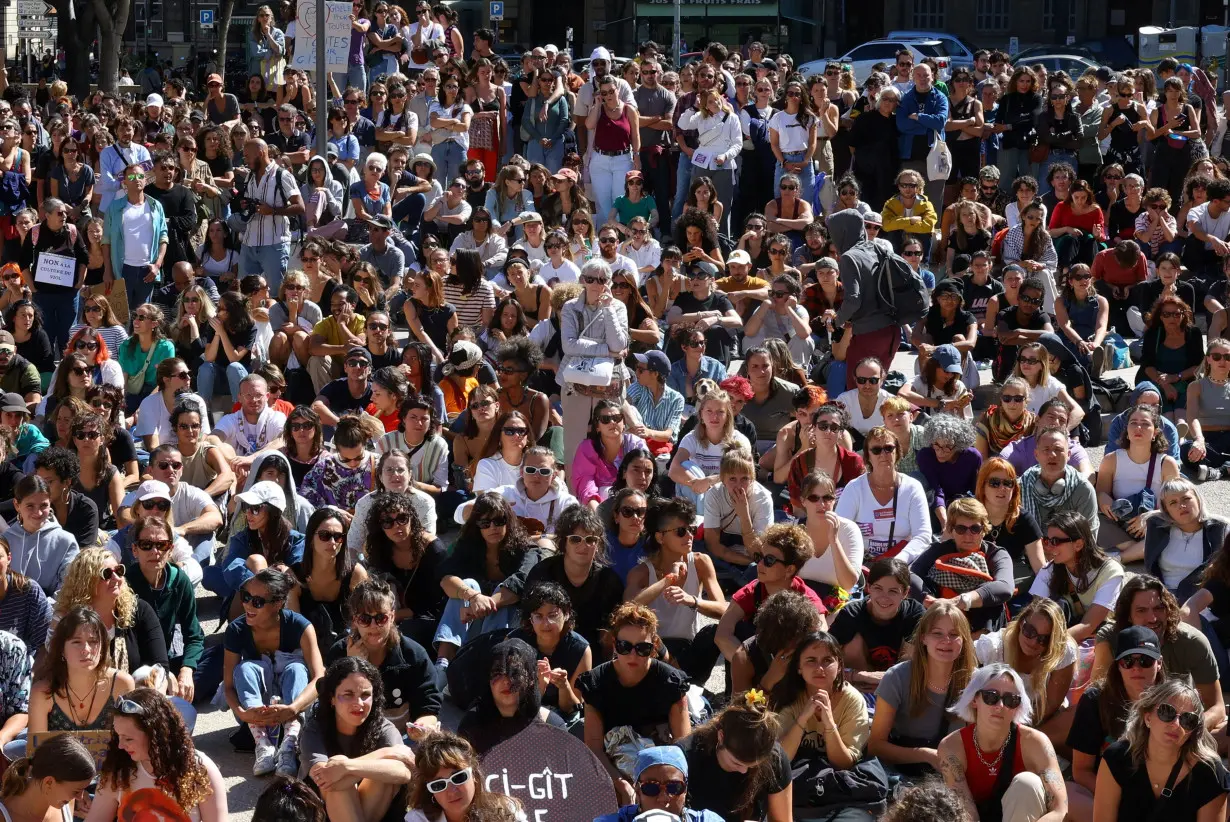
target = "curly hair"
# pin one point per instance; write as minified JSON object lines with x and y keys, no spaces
{"x":782,"y":619}
{"x":490,"y":505}
{"x":522,"y":351}
{"x":701,"y":220}
{"x":547,"y":593}
{"x":1186,"y":318}
{"x":1146,"y":583}
{"x":447,"y":750}
{"x":928,"y":801}
{"x":84,"y":572}
{"x":370,"y":735}
{"x":379,"y":548}
{"x":793,"y":541}
{"x":946,"y":427}
{"x":172,"y":756}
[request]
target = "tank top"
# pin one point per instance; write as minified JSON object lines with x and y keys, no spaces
{"x":980,"y":780}
{"x":1130,"y":476}
{"x":65,"y":814}
{"x":613,"y":135}
{"x":532,"y":314}
{"x":1122,"y":137}
{"x":57,"y":720}
{"x":676,"y":621}
{"x":962,"y":111}
{"x":1083,"y":315}
{"x":1214,"y":404}
{"x":1163,"y":118}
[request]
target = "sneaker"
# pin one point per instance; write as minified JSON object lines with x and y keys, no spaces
{"x":266,"y":757}
{"x":1099,"y":362}
{"x":288,"y":755}
{"x":1224,"y":472}
{"x":1204,"y":473}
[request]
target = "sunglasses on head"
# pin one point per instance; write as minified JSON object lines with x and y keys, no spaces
{"x":993,"y":697}
{"x":1131,"y":661}
{"x":643,"y":649}
{"x":366,"y":620}
{"x":1188,"y":720}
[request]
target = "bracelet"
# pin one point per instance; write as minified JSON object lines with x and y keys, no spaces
{"x":694,"y":604}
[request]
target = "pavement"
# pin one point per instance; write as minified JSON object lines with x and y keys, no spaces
{"x":214,"y":727}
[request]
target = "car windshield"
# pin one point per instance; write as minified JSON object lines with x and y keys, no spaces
{"x":931,"y":49}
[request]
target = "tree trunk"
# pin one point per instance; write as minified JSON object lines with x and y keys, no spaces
{"x":226,"y":10}
{"x":112,"y":20}
{"x":77,"y":39}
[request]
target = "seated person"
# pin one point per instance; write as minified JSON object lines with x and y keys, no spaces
{"x":1054,"y":413}
{"x":939,"y":387}
{"x":1205,"y":454}
{"x":695,"y":466}
{"x":863,"y":402}
{"x":1145,"y":601}
{"x":596,"y":462}
{"x":343,"y":477}
{"x":39,"y":549}
{"x":827,"y":449}
{"x":154,"y":500}
{"x":269,"y":541}
{"x":1131,"y":478}
{"x":511,"y":701}
{"x":76,"y":512}
{"x":949,"y":463}
{"x":1053,"y":485}
{"x":538,"y":497}
{"x":1019,"y":324}
{"x":197,"y":516}
{"x":334,"y":336}
{"x":1078,"y":575}
{"x":899,"y":418}
{"x":352,"y":392}
{"x":27,"y":438}
{"x":548,"y":626}
{"x":736,"y":515}
{"x":763,"y":660}
{"x":1007,"y":420}
{"x":660,"y":781}
{"x":254,"y":428}
{"x":659,"y":406}
{"x":948,"y":323}
{"x":1145,"y":393}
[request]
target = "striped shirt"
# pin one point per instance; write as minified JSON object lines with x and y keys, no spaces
{"x":27,"y":615}
{"x":112,"y":335}
{"x":470,"y":306}
{"x":664,"y":415}
{"x":270,"y":229}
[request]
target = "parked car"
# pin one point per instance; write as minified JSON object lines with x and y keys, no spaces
{"x":1074,"y":64}
{"x":959,"y":49}
{"x":1115,"y":52}
{"x":863,"y":57}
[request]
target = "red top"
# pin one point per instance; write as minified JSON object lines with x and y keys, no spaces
{"x":1064,"y":217}
{"x":751,"y":596}
{"x":1106,"y":267}
{"x":613,"y":135}
{"x":981,"y":782}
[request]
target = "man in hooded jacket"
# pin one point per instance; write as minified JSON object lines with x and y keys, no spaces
{"x":874,"y":334}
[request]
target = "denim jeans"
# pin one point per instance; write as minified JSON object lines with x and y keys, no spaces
{"x":455,"y":632}
{"x":683,"y":179}
{"x":271,"y":261}
{"x":552,"y":158}
{"x":449,"y":158}
{"x":807,"y":177}
{"x":606,"y":173}
{"x":355,"y":76}
{"x":256,"y":683}
{"x":207,"y":376}
{"x":408,"y":214}
{"x":139,"y":291}
{"x":1013,"y":163}
{"x":59,"y":314}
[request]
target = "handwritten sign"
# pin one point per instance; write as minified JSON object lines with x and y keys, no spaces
{"x":552,"y":774}
{"x":337,"y":36}
{"x":96,"y":742}
{"x":55,"y":270}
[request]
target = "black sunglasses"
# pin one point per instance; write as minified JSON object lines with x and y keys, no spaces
{"x":643,"y":649}
{"x":992,"y":697}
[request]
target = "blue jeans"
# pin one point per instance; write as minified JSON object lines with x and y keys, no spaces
{"x":683,"y":179}
{"x":454,"y":632}
{"x":408,"y":214}
{"x":1013,"y":163}
{"x":552,"y":158}
{"x":139,"y":291}
{"x":207,"y":375}
{"x":355,"y":76}
{"x":807,"y":177}
{"x":59,"y":314}
{"x":271,"y":261}
{"x":449,"y":158}
{"x":255,"y":682}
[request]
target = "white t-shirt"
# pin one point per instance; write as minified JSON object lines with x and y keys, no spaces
{"x":566,"y":273}
{"x":850,"y":541}
{"x":434,"y":31}
{"x":989,"y":648}
{"x":648,"y":256}
{"x":791,"y":136}
{"x":454,"y":112}
{"x":708,"y":458}
{"x":720,"y":510}
{"x":492,"y":472}
{"x":1219,"y":227}
{"x":875,"y":520}
{"x":153,"y":417}
{"x":1106,"y":596}
{"x":187,"y":503}
{"x":138,"y":234}
{"x":933,"y":393}
{"x":1040,"y":394}
{"x":849,"y":400}
{"x":1183,"y":554}
{"x":248,"y":438}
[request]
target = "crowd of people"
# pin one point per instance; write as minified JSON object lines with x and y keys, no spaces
{"x":546,"y":399}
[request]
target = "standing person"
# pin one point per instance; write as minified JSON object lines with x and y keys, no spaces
{"x":616,"y":144}
{"x":266,"y":240}
{"x":449,"y":117}
{"x":265,"y":48}
{"x":920,"y":122}
{"x":719,"y":144}
{"x":114,"y":161}
{"x":1017,"y":115}
{"x":136,"y":239}
{"x":655,"y":105}
{"x":793,"y":137}
{"x":55,"y":236}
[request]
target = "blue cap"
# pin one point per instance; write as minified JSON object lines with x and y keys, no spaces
{"x":948,"y":358}
{"x":656,"y":361}
{"x":660,"y":755}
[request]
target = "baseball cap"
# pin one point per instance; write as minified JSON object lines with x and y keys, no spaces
{"x":827,"y":262}
{"x":568,"y":173}
{"x":358,"y":352}
{"x":656,"y":361}
{"x":154,"y":100}
{"x":7,"y":343}
{"x":153,"y":489}
{"x":948,"y":358}
{"x":700,"y":267}
{"x":633,"y":175}
{"x":1138,"y":639}
{"x":740,"y":257}
{"x":1104,"y":74}
{"x":13,"y":401}
{"x":264,"y":493}
{"x":529,"y":217}
{"x":874,"y":218}
{"x":212,"y":79}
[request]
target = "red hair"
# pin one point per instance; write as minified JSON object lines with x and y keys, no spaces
{"x":100,"y":356}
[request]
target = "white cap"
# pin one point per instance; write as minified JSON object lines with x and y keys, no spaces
{"x":153,"y":489}
{"x":154,"y":100}
{"x":265,"y":491}
{"x":550,"y":47}
{"x":600,"y":53}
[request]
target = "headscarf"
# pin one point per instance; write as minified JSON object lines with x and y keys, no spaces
{"x":999,"y":430}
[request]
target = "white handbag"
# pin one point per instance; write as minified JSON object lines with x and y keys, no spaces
{"x":939,"y":160}
{"x":593,"y":370}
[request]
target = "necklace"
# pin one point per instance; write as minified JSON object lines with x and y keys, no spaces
{"x":992,"y":767}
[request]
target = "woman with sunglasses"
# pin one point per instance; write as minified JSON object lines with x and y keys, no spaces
{"x":325,"y":576}
{"x":511,"y":700}
{"x":249,"y":679}
{"x":695,"y":365}
{"x":1138,"y":467}
{"x":450,"y":118}
{"x":411,"y":559}
{"x":596,"y":462}
{"x":429,"y":311}
{"x":449,"y":785}
{"x":304,"y":438}
{"x":1082,"y":317}
{"x":908,"y":532}
{"x":633,"y":688}
{"x":269,"y":540}
{"x":57,"y":237}
{"x":499,"y":461}
{"x":1172,"y":354}
{"x":90,"y":438}
{"x":72,"y":180}
{"x":1011,"y":527}
{"x":1078,"y":574}
{"x":1077,"y":226}
{"x":616,"y":143}
{"x":1007,"y":421}
{"x":834,"y":567}
{"x":624,"y":514}
{"x":141,"y":353}
{"x":393,"y":474}
{"x":174,"y":385}
{"x":1208,"y":426}
{"x":482,"y":414}
{"x":507,"y":200}
{"x":73,"y":377}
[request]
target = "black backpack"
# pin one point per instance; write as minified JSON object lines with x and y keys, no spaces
{"x":899,"y":288}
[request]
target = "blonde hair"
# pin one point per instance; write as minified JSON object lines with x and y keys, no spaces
{"x":728,"y":427}
{"x":894,"y":405}
{"x":208,"y":312}
{"x":737,"y":462}
{"x":1051,"y":656}
{"x":83,"y":574}
{"x":1044,"y":362}
{"x":294,"y":276}
{"x":962,"y":668}
{"x":971,"y":509}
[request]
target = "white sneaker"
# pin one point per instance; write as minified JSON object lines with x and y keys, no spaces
{"x":266,"y":757}
{"x":288,"y":755}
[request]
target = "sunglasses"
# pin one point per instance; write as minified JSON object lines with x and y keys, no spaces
{"x":917,"y":253}
{"x":1030,"y":632}
{"x":493,"y":522}
{"x":442,"y":785}
{"x":817,"y":498}
{"x":1055,"y":542}
{"x":1188,"y":720}
{"x":394,"y":521}
{"x":189,"y":426}
{"x":590,"y":541}
{"x":366,"y":620}
{"x":115,"y":572}
{"x":768,"y":560}
{"x":1035,"y":301}
{"x":1138,"y":660}
{"x":877,"y":450}
{"x":634,"y":513}
{"x":1218,"y":357}
{"x":161,"y":505}
{"x":82,"y":434}
{"x":679,"y":532}
{"x":331,"y":536}
{"x":867,"y":380}
{"x":1028,"y":360}
{"x":607,"y":419}
{"x":377,"y":327}
{"x":967,"y":529}
{"x":827,"y":427}
{"x":532,"y":470}
{"x":643,"y":649}
{"x":591,"y":280}
{"x":997,"y":482}
{"x":302,"y":426}
{"x":82,"y":345}
{"x":170,"y":465}
{"x":149,"y":545}
{"x":673,"y":787}
{"x":992,"y":697}
{"x":89,"y":309}
{"x":516,"y":432}
{"x":1012,"y":399}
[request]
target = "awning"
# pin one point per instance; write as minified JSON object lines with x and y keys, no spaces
{"x":690,"y":12}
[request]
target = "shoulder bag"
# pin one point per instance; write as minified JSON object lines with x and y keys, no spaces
{"x":591,"y":370}
{"x":134,"y":383}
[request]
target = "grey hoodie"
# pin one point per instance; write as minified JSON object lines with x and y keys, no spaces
{"x":303,"y":509}
{"x":858,"y":268}
{"x":44,"y":555}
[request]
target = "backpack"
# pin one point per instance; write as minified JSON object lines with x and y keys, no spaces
{"x":72,"y":233}
{"x":900,"y":289}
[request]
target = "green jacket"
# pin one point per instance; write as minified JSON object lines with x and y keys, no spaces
{"x":175,"y":605}
{"x":114,"y":236}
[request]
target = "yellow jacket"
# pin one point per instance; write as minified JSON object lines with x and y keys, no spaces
{"x":894,"y":217}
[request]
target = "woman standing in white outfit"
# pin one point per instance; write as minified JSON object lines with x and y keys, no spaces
{"x":720,"y":142}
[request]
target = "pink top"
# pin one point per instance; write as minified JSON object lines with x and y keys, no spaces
{"x":592,"y":475}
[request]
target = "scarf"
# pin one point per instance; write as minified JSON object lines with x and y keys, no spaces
{"x":1000,"y":431}
{"x":1034,"y":497}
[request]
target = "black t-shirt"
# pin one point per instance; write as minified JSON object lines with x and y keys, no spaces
{"x":390,"y":357}
{"x":297,"y":141}
{"x":1147,"y":294}
{"x":719,"y":340}
{"x":122,"y":450}
{"x":882,"y":641}
{"x":1120,"y":221}
{"x":1010,"y":319}
{"x":337,"y":396}
{"x":419,"y":588}
{"x":219,"y":165}
{"x":1206,"y":782}
{"x":592,"y":602}
{"x":644,"y":705}
{"x":711,"y":788}
{"x":977,"y":296}
{"x":1220,"y":607}
{"x":477,"y":198}
{"x":1087,"y":733}
{"x":1024,"y":531}
{"x":942,"y":334}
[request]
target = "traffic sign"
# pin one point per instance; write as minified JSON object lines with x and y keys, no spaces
{"x":32,"y":8}
{"x":497,"y":10}
{"x":207,"y":18}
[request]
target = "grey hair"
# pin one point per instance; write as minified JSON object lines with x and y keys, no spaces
{"x":1181,"y":485}
{"x":377,"y":159}
{"x":879,"y":77}
{"x":964,"y":706}
{"x":595,"y":267}
{"x":52,"y":204}
{"x":287,"y":108}
{"x":1134,"y":178}
{"x":890,"y":90}
{"x":948,"y":427}
{"x":1199,"y":742}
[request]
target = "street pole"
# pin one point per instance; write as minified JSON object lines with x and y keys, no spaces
{"x":322,"y":82}
{"x":675,"y":37}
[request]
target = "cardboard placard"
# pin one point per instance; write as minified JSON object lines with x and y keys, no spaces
{"x":52,"y":269}
{"x":96,"y":742}
{"x":337,"y":36}
{"x":552,"y":774}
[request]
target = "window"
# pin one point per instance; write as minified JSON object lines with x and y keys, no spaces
{"x":874,"y":52}
{"x":1048,"y":15}
{"x":992,"y":15}
{"x":928,"y":14}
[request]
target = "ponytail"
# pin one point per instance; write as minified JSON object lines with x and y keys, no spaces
{"x":61,"y":757}
{"x":15,"y":778}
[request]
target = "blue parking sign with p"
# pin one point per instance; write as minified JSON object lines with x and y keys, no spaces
{"x":497,"y":9}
